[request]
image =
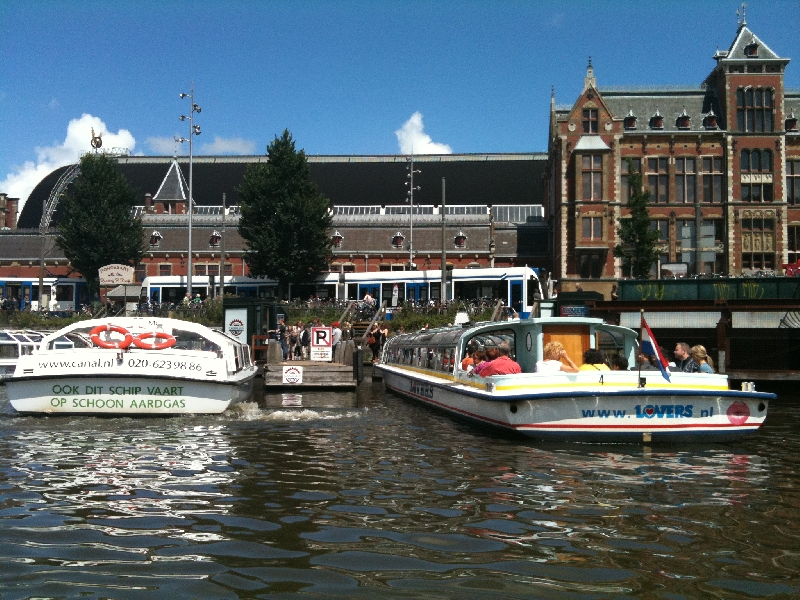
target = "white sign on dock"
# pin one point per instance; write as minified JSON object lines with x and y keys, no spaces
{"x":322,"y":344}
{"x":292,"y":374}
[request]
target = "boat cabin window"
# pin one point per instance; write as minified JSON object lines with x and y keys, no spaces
{"x":433,"y":350}
{"x":488,"y":339}
{"x":9,"y":350}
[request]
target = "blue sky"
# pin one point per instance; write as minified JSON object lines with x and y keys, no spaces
{"x":357,"y":77}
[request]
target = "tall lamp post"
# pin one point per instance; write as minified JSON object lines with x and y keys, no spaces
{"x":193,"y":131}
{"x":411,"y":190}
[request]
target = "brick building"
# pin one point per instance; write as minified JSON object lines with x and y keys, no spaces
{"x":721,"y":162}
{"x":493,"y":213}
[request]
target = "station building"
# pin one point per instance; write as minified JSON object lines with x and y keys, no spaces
{"x":481,"y":210}
{"x":721,"y":163}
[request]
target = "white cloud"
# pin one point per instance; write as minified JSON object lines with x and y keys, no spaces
{"x":412,"y":138}
{"x":229,"y":146}
{"x":166,"y":145}
{"x":20,"y":183}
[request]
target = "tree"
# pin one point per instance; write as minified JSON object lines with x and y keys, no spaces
{"x":638,"y":239}
{"x":97,"y":226}
{"x":284,"y":219}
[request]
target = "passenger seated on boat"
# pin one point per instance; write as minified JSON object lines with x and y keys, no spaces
{"x":503,"y":364}
{"x":491,"y":354}
{"x":620,"y":363}
{"x":593,"y":361}
{"x":701,"y":357}
{"x":647,"y":362}
{"x":478,"y":358}
{"x":551,"y":363}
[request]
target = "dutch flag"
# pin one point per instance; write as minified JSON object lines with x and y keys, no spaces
{"x":650,"y":346}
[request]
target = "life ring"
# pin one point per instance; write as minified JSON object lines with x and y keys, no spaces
{"x":116,"y":345}
{"x":139,"y":340}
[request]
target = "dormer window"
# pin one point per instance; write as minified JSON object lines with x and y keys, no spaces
{"x":751,"y":50}
{"x":214,"y":239}
{"x":630,"y":120}
{"x":155,"y":239}
{"x":791,"y":122}
{"x":683,"y":121}
{"x":657,"y":121}
{"x":460,"y":241}
{"x":397,"y":240}
{"x":710,"y":120}
{"x":337,"y":239}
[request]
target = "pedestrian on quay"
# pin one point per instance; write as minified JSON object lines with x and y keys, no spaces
{"x":336,"y":337}
{"x":305,"y":341}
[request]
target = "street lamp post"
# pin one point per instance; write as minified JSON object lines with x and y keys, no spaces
{"x":411,"y":190}
{"x":193,"y":131}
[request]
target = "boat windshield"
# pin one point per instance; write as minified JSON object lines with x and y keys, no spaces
{"x":184,"y":339}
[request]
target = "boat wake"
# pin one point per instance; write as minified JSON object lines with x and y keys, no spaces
{"x":250,"y":411}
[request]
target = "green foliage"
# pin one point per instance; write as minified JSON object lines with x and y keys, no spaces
{"x":637,"y":247}
{"x":96,"y":227}
{"x":284,"y":219}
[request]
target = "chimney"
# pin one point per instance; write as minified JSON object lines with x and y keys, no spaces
{"x":148,"y":203}
{"x":8,"y":211}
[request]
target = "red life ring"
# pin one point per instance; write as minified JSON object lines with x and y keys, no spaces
{"x":139,"y":340}
{"x":117,"y":345}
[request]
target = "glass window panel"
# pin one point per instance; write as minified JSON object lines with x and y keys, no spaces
{"x":706,"y":165}
{"x":587,"y":163}
{"x":745,"y":161}
{"x":717,"y":188}
{"x":766,"y":163}
{"x":717,"y":164}
{"x":755,"y":160}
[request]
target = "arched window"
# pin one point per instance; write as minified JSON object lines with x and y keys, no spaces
{"x":745,"y":162}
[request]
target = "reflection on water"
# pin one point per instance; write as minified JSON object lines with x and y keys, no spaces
{"x":358,"y":493}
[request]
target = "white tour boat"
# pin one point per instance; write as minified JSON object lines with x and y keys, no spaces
{"x":13,"y":344}
{"x":132,"y":366}
{"x":590,"y":405}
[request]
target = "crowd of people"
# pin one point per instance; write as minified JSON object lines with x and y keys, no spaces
{"x":496,"y":360}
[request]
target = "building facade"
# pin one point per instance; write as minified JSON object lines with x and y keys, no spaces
{"x":721,"y":163}
{"x":476,"y":210}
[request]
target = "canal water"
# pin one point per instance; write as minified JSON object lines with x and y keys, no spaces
{"x":361,"y":494}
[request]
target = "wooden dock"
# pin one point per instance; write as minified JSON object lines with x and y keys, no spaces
{"x":304,"y":374}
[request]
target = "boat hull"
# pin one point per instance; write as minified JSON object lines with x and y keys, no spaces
{"x":125,"y":395}
{"x":658,"y":414}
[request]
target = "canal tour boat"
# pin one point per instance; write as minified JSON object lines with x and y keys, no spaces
{"x":590,"y":405}
{"x":132,"y":366}
{"x":13,"y":344}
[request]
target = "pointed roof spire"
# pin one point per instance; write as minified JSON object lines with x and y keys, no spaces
{"x":173,"y":187}
{"x":590,"y":80}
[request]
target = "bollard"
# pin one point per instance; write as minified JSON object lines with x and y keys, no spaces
{"x":358,"y":365}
